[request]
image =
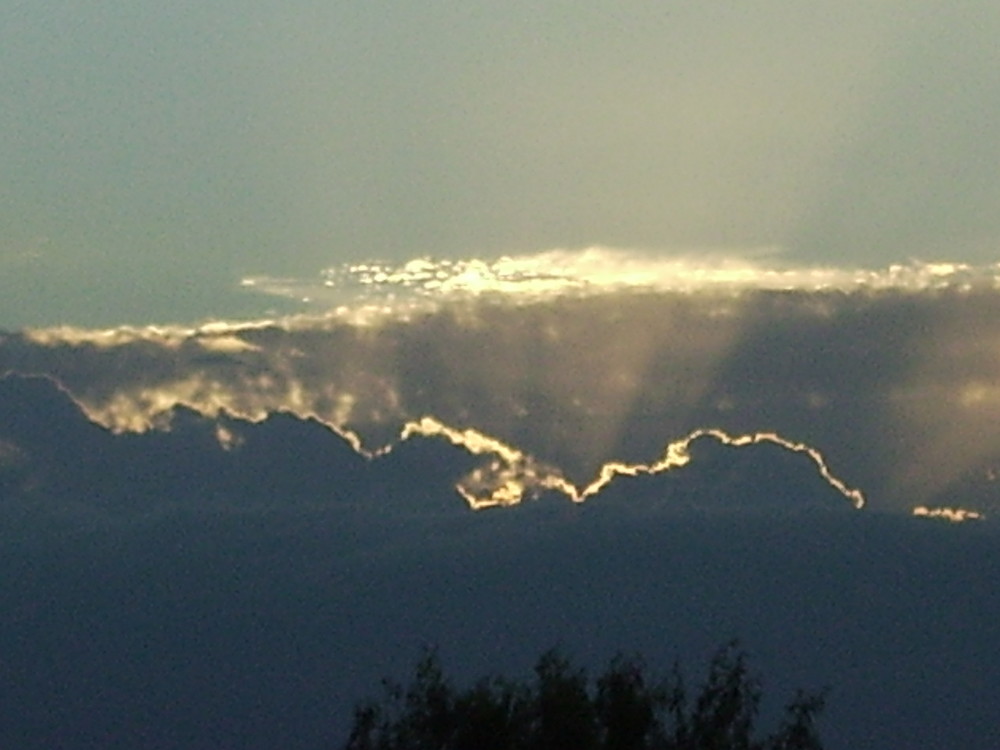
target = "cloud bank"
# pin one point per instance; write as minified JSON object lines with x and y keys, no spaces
{"x":563,"y":371}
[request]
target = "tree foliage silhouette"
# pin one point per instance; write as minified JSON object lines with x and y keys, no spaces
{"x":624,"y":709}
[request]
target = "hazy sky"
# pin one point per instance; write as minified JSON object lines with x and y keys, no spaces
{"x":155,"y":153}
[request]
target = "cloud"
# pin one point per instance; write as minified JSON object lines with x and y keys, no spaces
{"x":563,"y":374}
{"x":50,"y":452}
{"x":955,"y":515}
{"x":512,"y":474}
{"x":595,"y":270}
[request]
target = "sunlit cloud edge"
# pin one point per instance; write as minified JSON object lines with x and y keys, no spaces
{"x":601,"y":270}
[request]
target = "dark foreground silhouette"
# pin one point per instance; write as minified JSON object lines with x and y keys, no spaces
{"x":623,"y":709}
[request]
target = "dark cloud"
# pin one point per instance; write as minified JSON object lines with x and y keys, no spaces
{"x":198,"y":548}
{"x":893,"y":389}
{"x":55,"y":460}
{"x":261,"y":629}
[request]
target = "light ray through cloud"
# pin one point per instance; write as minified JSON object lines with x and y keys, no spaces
{"x":567,"y":369}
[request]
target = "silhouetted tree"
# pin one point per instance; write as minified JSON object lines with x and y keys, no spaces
{"x":626,"y":706}
{"x":624,"y":710}
{"x":564,"y":716}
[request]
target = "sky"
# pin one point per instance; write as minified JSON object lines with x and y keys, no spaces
{"x":329,"y":331}
{"x":155,"y":155}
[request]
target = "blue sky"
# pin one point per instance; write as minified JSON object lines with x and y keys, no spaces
{"x":154,"y":154}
